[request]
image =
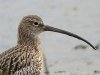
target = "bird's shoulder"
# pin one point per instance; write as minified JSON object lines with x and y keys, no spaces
{"x":8,"y":52}
{"x":13,"y":56}
{"x":5,"y":57}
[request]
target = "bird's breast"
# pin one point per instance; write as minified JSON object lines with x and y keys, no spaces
{"x":31,"y":62}
{"x":22,"y":60}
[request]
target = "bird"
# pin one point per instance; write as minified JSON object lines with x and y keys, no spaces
{"x":26,"y":58}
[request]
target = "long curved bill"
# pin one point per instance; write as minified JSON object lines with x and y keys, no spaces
{"x":49,"y":28}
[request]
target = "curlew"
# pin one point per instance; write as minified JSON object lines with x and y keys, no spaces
{"x":26,"y":58}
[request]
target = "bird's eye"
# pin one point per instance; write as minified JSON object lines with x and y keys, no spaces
{"x":36,"y":23}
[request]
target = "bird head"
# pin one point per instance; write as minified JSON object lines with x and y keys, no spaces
{"x":32,"y":25}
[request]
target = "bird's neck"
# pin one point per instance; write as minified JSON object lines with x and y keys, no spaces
{"x":29,"y":41}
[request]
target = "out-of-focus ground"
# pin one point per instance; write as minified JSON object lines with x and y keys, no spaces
{"x":78,"y":16}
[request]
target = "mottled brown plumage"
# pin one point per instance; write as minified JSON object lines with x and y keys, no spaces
{"x":26,"y":58}
{"x":27,"y":51}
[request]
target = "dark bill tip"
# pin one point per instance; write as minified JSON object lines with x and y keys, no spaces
{"x":49,"y":28}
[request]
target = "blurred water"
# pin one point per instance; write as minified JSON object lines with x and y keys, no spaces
{"x":78,"y":16}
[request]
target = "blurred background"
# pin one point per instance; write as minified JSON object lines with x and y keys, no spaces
{"x":65,"y":55}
